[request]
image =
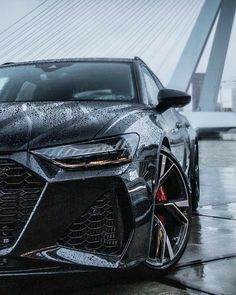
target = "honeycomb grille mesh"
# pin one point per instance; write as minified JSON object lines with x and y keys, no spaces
{"x":95,"y":230}
{"x":19,"y":193}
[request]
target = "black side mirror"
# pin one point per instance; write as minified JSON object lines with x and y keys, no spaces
{"x":168,"y":98}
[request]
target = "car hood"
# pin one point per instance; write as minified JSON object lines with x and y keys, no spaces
{"x":38,"y":124}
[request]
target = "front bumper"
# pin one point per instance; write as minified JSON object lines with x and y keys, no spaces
{"x":84,"y":219}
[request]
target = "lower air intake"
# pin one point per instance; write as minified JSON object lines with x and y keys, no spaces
{"x":96,"y":230}
{"x":19,"y":193}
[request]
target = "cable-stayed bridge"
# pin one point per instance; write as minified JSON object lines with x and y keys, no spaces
{"x":111,"y":28}
{"x":169,"y":35}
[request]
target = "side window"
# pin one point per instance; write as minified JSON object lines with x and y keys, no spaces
{"x":3,"y":82}
{"x":151,"y":86}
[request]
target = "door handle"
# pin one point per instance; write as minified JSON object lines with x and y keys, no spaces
{"x":179,"y":125}
{"x":187,"y":125}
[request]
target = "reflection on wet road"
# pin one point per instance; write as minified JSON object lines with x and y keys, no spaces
{"x":218,"y":172}
{"x":209,"y":263}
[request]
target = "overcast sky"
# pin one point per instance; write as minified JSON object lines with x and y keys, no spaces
{"x":160,"y":49}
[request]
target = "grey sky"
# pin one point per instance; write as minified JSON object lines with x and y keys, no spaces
{"x":115,"y":36}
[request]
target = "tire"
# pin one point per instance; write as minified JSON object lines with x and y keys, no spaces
{"x":195,"y":182}
{"x":172,"y":213}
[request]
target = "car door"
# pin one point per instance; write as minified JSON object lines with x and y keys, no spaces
{"x":173,"y":124}
{"x":178,"y":136}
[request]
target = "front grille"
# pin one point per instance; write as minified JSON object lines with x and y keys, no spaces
{"x":96,"y":230}
{"x":19,"y":193}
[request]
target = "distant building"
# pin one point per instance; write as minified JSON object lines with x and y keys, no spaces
{"x":234,"y":99}
{"x":197,"y":82}
{"x":227,"y":95}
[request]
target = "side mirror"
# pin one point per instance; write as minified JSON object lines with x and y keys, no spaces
{"x":168,"y":98}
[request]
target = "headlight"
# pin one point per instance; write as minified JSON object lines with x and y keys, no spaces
{"x":96,"y":153}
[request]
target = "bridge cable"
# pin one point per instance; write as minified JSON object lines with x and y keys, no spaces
{"x":22,"y":18}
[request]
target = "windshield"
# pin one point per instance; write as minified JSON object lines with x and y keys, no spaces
{"x":63,"y":81}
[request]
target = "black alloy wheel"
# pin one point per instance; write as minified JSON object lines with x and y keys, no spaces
{"x":195,"y":182}
{"x":171,"y":216}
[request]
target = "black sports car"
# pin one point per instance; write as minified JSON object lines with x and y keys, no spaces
{"x":97,"y":167}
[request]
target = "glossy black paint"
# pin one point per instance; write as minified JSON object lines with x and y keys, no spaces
{"x":168,"y":98}
{"x":66,"y":194}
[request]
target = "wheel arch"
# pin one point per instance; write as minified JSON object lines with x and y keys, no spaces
{"x":165,"y":142}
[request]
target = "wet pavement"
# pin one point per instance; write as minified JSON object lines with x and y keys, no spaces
{"x":208,"y":265}
{"x":209,"y":262}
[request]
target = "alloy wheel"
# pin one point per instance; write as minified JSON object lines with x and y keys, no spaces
{"x":172,"y":214}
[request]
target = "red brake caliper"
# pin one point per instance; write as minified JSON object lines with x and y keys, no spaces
{"x":161,"y":196}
